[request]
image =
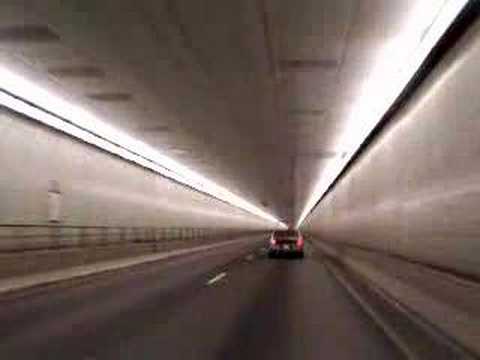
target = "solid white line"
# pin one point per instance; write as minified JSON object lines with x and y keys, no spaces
{"x":22,"y":282}
{"x":216,"y":278}
{"x":375,"y":315}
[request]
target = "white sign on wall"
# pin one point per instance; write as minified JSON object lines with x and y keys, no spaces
{"x":54,"y":201}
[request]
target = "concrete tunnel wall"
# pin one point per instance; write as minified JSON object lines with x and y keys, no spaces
{"x":109,"y":207}
{"x":406,"y":215}
{"x":416,"y":190}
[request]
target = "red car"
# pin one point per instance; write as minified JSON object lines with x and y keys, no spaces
{"x":286,"y":242}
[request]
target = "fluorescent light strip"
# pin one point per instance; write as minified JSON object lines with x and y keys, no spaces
{"x":376,"y":99}
{"x":24,"y":97}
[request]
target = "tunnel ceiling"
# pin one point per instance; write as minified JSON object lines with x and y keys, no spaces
{"x":252,"y":94}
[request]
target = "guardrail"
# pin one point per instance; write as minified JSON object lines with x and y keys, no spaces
{"x":14,"y":238}
{"x":31,"y":248}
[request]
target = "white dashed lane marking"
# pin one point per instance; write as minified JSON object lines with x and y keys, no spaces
{"x":216,"y":278}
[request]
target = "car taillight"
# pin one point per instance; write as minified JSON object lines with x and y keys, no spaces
{"x":300,"y":241}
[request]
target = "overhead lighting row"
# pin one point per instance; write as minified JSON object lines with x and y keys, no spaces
{"x":24,"y":97}
{"x":396,"y":65}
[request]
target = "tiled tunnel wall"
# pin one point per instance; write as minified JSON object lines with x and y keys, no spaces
{"x":406,"y":214}
{"x":105,"y":207}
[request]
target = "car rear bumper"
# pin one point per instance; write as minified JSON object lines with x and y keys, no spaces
{"x":273,"y":252}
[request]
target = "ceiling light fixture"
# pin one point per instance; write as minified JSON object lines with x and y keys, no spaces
{"x":25,"y":97}
{"x":395,"y":67}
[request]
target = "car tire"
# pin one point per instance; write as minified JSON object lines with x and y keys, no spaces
{"x":301,"y":255}
{"x":271,"y":255}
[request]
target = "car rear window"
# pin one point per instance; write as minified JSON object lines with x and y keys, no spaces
{"x":285,"y":234}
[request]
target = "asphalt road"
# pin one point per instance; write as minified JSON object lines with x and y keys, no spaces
{"x":258,"y":309}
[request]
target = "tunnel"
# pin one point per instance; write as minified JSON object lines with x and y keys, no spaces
{"x":249,"y":179}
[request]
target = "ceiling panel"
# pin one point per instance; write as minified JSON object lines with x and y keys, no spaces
{"x":251,"y":93}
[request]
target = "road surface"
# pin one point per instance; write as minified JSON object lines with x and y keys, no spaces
{"x":230,"y":304}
